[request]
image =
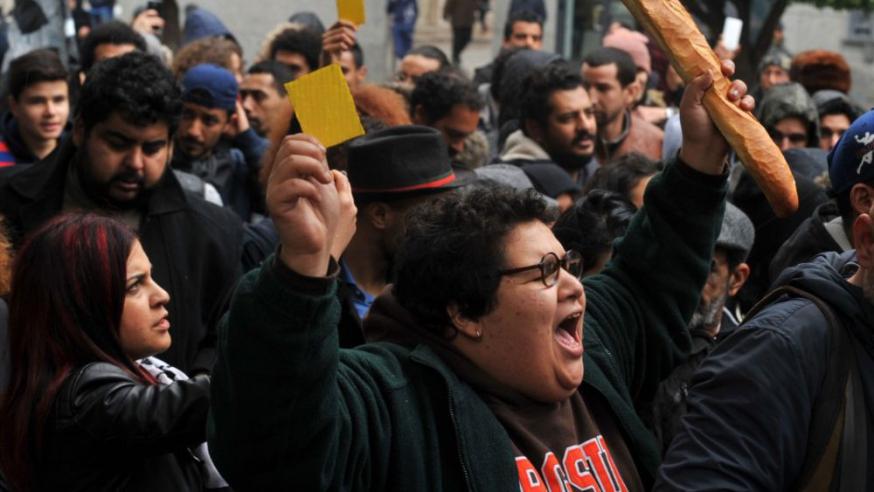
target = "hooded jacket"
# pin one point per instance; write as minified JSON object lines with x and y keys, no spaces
{"x":751,"y":400}
{"x":821,"y":232}
{"x":201,"y":23}
{"x":392,"y":416}
{"x":786,"y":101}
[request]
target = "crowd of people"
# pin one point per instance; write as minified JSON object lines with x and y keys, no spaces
{"x":540,"y":275}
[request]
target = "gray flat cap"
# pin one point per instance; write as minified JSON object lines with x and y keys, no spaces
{"x":737,"y":231}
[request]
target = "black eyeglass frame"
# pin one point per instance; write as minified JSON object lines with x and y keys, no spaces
{"x":551,"y":278}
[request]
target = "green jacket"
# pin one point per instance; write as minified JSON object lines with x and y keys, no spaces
{"x":291,"y":410}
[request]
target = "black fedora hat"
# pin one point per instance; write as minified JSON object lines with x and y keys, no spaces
{"x":401,"y":159}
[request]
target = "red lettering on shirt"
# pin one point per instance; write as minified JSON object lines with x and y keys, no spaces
{"x":529,"y":479}
{"x":587,"y":467}
{"x":577,"y":472}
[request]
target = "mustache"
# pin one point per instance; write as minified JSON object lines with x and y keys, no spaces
{"x":583,"y":135}
{"x":130,"y":176}
{"x":191,"y":141}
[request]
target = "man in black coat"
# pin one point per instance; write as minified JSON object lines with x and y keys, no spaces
{"x":117,"y":164}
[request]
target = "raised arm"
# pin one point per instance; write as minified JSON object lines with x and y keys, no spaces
{"x":643,"y":300}
{"x":277,"y":411}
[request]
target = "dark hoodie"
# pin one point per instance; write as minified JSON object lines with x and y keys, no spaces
{"x":201,"y":23}
{"x":787,"y":101}
{"x":750,"y":403}
{"x":811,"y":238}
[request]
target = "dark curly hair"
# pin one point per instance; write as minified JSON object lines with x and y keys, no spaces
{"x":452,"y":248}
{"x":114,"y":32}
{"x":555,"y":76}
{"x":299,"y":40}
{"x":136,"y":85}
{"x":623,"y":174}
{"x":593,"y":223}
{"x":438,"y":92}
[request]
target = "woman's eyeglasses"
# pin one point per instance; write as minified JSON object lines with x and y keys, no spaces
{"x":550,"y":267}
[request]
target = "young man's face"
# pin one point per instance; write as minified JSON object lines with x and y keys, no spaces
{"x":41,"y":110}
{"x":261,"y":101}
{"x":456,"y":126}
{"x":119,"y":160}
{"x":354,"y":75}
{"x":773,"y":75}
{"x":525,"y":35}
{"x":831,"y":128}
{"x":569,"y":134}
{"x":609,"y":98}
{"x":200,"y":129}
{"x":294,"y":60}
{"x":789,"y":133}
{"x":413,"y":67}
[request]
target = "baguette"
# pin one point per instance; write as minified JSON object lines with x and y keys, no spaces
{"x":672,"y":26}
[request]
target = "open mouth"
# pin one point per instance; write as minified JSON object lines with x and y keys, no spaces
{"x":569,"y":335}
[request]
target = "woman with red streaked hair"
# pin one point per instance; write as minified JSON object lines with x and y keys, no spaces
{"x":80,"y":411}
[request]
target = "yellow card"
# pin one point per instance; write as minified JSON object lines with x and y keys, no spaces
{"x":324,"y":106}
{"x":351,"y":10}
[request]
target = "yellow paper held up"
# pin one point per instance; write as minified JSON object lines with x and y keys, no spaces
{"x":324,"y":106}
{"x":351,"y":10}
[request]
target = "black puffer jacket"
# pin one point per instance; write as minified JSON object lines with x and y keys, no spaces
{"x":108,"y":431}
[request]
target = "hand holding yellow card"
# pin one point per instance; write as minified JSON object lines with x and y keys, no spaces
{"x":351,"y":10}
{"x":324,"y":106}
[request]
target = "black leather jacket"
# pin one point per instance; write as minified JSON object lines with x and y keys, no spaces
{"x":108,"y":431}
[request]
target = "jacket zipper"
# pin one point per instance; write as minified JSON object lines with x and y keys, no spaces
{"x":458,"y":444}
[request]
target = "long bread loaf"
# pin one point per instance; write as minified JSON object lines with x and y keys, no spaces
{"x":670,"y":23}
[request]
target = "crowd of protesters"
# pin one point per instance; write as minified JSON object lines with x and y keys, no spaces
{"x":541,"y":275}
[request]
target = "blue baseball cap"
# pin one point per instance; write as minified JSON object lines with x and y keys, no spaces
{"x":211,"y":86}
{"x":852,"y":159}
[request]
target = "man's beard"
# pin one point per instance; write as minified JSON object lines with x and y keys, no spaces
{"x":605,"y":119}
{"x":570,"y":161}
{"x":100,"y":192}
{"x":708,"y":315}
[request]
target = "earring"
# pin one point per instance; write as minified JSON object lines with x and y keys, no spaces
{"x":478,"y":334}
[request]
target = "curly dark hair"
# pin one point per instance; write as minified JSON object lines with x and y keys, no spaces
{"x":114,"y":32}
{"x":438,"y":92}
{"x":555,"y":76}
{"x":623,"y":174}
{"x":137,"y":85}
{"x":593,"y":223}
{"x":452,"y":248}
{"x":299,"y":40}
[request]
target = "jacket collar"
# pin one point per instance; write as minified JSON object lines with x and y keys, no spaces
{"x":43,"y":186}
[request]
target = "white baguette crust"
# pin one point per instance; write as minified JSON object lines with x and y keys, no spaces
{"x":679,"y":36}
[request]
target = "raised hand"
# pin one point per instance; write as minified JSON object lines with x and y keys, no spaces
{"x":309,"y":204}
{"x":704,"y":148}
{"x":339,"y":38}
